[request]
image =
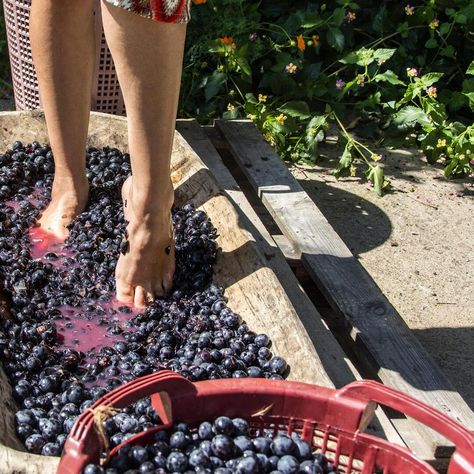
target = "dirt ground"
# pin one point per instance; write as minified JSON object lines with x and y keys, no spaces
{"x":417,"y":243}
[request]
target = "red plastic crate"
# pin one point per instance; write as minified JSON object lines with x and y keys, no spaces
{"x":331,"y":420}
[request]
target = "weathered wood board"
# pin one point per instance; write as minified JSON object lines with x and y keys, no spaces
{"x":382,"y":338}
{"x":251,"y":285}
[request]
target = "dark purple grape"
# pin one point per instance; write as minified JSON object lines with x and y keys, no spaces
{"x":282,"y":445}
{"x":177,"y":462}
{"x":34,"y":443}
{"x":288,"y":465}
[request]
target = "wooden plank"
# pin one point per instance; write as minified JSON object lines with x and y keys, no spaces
{"x":291,"y":254}
{"x":336,"y":364}
{"x":394,"y":353}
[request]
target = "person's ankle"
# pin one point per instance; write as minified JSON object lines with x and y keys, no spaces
{"x":152,"y":204}
{"x":69,"y":185}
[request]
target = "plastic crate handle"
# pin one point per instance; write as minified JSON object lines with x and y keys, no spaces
{"x":83,"y":440}
{"x":463,"y":458}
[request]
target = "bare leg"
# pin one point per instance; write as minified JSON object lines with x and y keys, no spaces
{"x":63,"y":46}
{"x":148,"y":58}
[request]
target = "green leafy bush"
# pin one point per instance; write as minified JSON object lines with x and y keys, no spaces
{"x":403,"y":73}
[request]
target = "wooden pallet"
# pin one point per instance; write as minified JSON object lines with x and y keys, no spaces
{"x":363,"y":317}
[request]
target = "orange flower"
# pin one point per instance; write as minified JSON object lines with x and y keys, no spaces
{"x":199,"y":2}
{"x":301,"y":43}
{"x":227,"y":40}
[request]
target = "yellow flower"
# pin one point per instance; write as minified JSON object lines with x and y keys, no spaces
{"x":291,"y":68}
{"x":409,"y":10}
{"x":230,"y":107}
{"x":251,"y":116}
{"x":262,"y":98}
{"x":269,"y":138}
{"x":441,"y":143}
{"x":360,"y":79}
{"x":220,"y":68}
{"x":281,"y":119}
{"x":301,"y":43}
{"x":316,"y":40}
{"x":434,"y":24}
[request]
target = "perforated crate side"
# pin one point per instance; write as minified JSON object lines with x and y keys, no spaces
{"x":106,"y":94}
{"x":25,"y":84}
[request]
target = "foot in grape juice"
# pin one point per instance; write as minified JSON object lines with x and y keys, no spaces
{"x":68,"y":200}
{"x":146,"y":264}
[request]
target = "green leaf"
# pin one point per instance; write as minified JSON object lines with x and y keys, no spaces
{"x":384,"y":53}
{"x":430,"y":78}
{"x":429,"y":143}
{"x":470,"y":97}
{"x":338,"y":16}
{"x":335,"y":39}
{"x":436,"y":111}
{"x":380,"y":19}
{"x":449,"y":169}
{"x":316,"y":122}
{"x":214,"y":84}
{"x":345,"y":162}
{"x":312,"y":71}
{"x":410,"y":115}
{"x":215,"y":46}
{"x":444,"y":28}
{"x":295,"y":108}
{"x":457,"y":100}
{"x":412,"y":91}
{"x":448,"y":51}
{"x":431,"y":43}
{"x":250,"y":97}
{"x":388,"y":76}
{"x":377,"y":177}
{"x":230,"y":114}
{"x":470,"y":68}
{"x":311,"y":20}
{"x":468,"y":85}
{"x":244,"y":66}
{"x":350,"y":58}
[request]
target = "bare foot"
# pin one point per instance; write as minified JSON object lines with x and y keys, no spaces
{"x":147,"y":267}
{"x":68,"y":199}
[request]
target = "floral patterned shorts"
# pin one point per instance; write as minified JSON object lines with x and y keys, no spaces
{"x":170,"y":11}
